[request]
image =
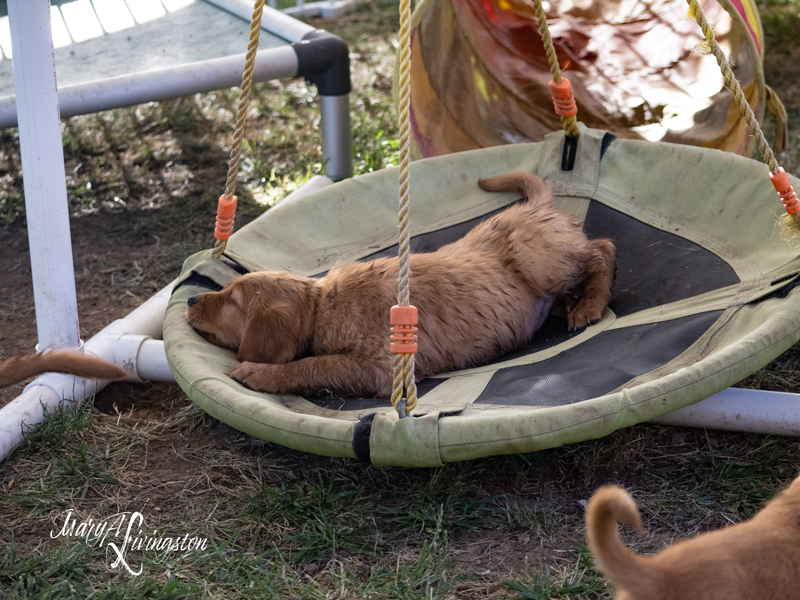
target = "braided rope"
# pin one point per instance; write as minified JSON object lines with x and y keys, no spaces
{"x":404,"y":363}
{"x":696,"y":13}
{"x":241,"y":112}
{"x":731,"y":83}
{"x":570,"y":123}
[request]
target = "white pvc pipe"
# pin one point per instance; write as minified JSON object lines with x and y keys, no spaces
{"x":316,"y":183}
{"x":736,"y":409}
{"x":152,"y":362}
{"x":46,"y":206}
{"x":327,"y":9}
{"x":160,"y":84}
{"x":272,"y":20}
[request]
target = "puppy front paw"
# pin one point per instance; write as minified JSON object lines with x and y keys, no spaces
{"x":256,"y":377}
{"x":582,"y":316}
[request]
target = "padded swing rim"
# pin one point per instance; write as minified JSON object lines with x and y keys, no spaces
{"x":505,"y":431}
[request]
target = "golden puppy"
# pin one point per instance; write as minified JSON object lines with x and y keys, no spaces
{"x":756,"y":560}
{"x":72,"y":363}
{"x":478,"y":298}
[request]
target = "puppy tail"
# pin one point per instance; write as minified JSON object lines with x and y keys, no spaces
{"x":626,"y":570}
{"x":531,"y":186}
{"x":72,"y":363}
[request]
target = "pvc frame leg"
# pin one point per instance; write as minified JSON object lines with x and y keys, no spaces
{"x":42,"y":157}
{"x":337,"y":150}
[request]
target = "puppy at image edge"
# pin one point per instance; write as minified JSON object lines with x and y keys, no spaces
{"x":478,"y":298}
{"x":755,"y":560}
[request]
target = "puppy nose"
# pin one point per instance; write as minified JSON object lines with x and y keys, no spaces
{"x":192,"y":300}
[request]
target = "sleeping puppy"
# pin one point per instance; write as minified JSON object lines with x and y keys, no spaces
{"x":756,"y":560}
{"x":478,"y":298}
{"x":72,"y":363}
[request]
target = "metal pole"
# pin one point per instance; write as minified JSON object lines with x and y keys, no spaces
{"x":336,"y":136}
{"x":46,"y":206}
{"x":167,"y":82}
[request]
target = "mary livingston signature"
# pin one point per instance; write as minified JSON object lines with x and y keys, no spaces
{"x":125,"y":527}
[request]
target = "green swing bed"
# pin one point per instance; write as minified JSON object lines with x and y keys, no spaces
{"x":706,"y":294}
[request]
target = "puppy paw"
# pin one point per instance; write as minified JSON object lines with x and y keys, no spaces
{"x":244,"y":384}
{"x":255,"y":376}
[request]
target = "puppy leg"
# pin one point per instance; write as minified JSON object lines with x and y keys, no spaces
{"x":600,"y":271}
{"x":339,"y":373}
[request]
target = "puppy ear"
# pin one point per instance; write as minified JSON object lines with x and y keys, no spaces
{"x":272,"y":334}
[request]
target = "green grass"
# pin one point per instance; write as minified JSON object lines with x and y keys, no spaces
{"x":282,"y":524}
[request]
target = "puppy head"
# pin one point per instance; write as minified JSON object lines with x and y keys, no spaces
{"x":266,"y":317}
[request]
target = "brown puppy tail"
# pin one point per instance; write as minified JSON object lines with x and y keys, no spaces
{"x":626,"y":570}
{"x":72,"y":363}
{"x":531,"y":186}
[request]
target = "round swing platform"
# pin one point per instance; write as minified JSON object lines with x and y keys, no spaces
{"x":705,"y":295}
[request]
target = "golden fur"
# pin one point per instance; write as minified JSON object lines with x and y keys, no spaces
{"x":72,"y":363}
{"x":756,"y":560}
{"x":478,"y":298}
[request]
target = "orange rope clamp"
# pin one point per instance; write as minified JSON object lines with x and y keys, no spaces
{"x":404,"y":334}
{"x":785,"y":190}
{"x":226,"y":210}
{"x":563,"y":100}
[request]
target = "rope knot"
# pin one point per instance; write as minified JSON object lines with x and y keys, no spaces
{"x":785,"y":190}
{"x":404,"y":334}
{"x":226,"y":211}
{"x":563,"y":99}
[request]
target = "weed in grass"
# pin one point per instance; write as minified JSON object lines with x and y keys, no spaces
{"x":65,"y":484}
{"x":426,"y":574}
{"x":61,"y":573}
{"x":427,"y":577}
{"x":458,"y":510}
{"x":375,"y":131}
{"x":523,"y":462}
{"x":183,"y":115}
{"x":542,"y":522}
{"x":576,"y":579}
{"x":317,"y":519}
{"x":58,"y":426}
{"x":74,"y":468}
{"x":781,"y":19}
{"x":265,"y":185}
{"x":76,"y":571}
{"x":243,"y":574}
{"x":11,"y":206}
